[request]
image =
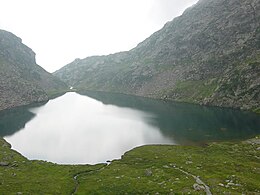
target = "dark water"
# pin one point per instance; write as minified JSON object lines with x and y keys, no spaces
{"x":95,"y":126}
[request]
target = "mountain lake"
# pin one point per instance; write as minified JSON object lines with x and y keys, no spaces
{"x":94,"y":127}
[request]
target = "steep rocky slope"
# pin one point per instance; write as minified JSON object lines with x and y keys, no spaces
{"x":22,"y":81}
{"x":208,"y":55}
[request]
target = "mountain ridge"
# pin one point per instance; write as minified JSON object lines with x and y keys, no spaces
{"x":22,"y":81}
{"x":208,"y":55}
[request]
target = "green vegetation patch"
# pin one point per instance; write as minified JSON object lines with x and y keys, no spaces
{"x":257,"y":110}
{"x":218,"y":168}
{"x":19,"y":175}
{"x":192,"y":91}
{"x":227,"y":168}
{"x":231,"y":168}
{"x":54,"y":94}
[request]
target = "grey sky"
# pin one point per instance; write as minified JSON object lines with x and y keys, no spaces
{"x":61,"y":30}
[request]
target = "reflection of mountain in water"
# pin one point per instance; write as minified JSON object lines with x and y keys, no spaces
{"x":188,"y":123}
{"x":15,"y":119}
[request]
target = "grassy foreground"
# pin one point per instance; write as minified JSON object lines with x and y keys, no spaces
{"x":219,"y":168}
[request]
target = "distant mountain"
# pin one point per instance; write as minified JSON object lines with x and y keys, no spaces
{"x":208,"y":55}
{"x":22,"y":81}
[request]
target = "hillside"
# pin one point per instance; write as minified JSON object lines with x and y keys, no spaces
{"x":209,"y":55}
{"x":219,"y":168}
{"x":22,"y":81}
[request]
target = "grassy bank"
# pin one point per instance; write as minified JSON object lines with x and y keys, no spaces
{"x":19,"y":175}
{"x":219,"y":168}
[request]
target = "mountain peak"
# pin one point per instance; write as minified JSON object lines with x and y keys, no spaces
{"x":22,"y":81}
{"x":208,"y":55}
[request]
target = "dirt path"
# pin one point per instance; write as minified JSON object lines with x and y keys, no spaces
{"x":197,"y":180}
{"x":75,"y":177}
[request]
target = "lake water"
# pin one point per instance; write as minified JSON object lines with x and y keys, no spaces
{"x":95,"y":126}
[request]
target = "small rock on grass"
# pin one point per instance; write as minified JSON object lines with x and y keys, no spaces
{"x":198,"y":187}
{"x":4,"y":163}
{"x":148,"y":172}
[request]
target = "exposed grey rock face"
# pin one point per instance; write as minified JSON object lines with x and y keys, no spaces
{"x":22,"y":81}
{"x":4,"y":164}
{"x":208,"y":55}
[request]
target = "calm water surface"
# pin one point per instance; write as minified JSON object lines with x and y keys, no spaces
{"x":95,"y":127}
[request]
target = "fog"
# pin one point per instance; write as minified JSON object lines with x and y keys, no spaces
{"x":60,"y":31}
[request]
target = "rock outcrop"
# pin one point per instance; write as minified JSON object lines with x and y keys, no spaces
{"x":208,"y":55}
{"x":22,"y":81}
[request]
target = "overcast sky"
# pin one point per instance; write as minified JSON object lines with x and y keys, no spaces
{"x":61,"y":30}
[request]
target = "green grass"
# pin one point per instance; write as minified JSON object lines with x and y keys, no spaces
{"x":35,"y":177}
{"x":227,"y":168}
{"x":57,"y":93}
{"x":257,"y":110}
{"x":191,"y":91}
{"x":155,"y":169}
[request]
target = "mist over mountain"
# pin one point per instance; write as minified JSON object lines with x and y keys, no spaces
{"x":209,"y":55}
{"x":22,"y":81}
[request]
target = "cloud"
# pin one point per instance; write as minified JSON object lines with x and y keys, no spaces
{"x":60,"y":31}
{"x":166,"y":10}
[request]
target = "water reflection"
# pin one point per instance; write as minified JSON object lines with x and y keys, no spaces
{"x":95,"y":126}
{"x":187,"y":123}
{"x":78,"y":129}
{"x":15,"y":119}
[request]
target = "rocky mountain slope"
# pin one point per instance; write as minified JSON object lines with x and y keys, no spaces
{"x":208,"y":55}
{"x":22,"y":81}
